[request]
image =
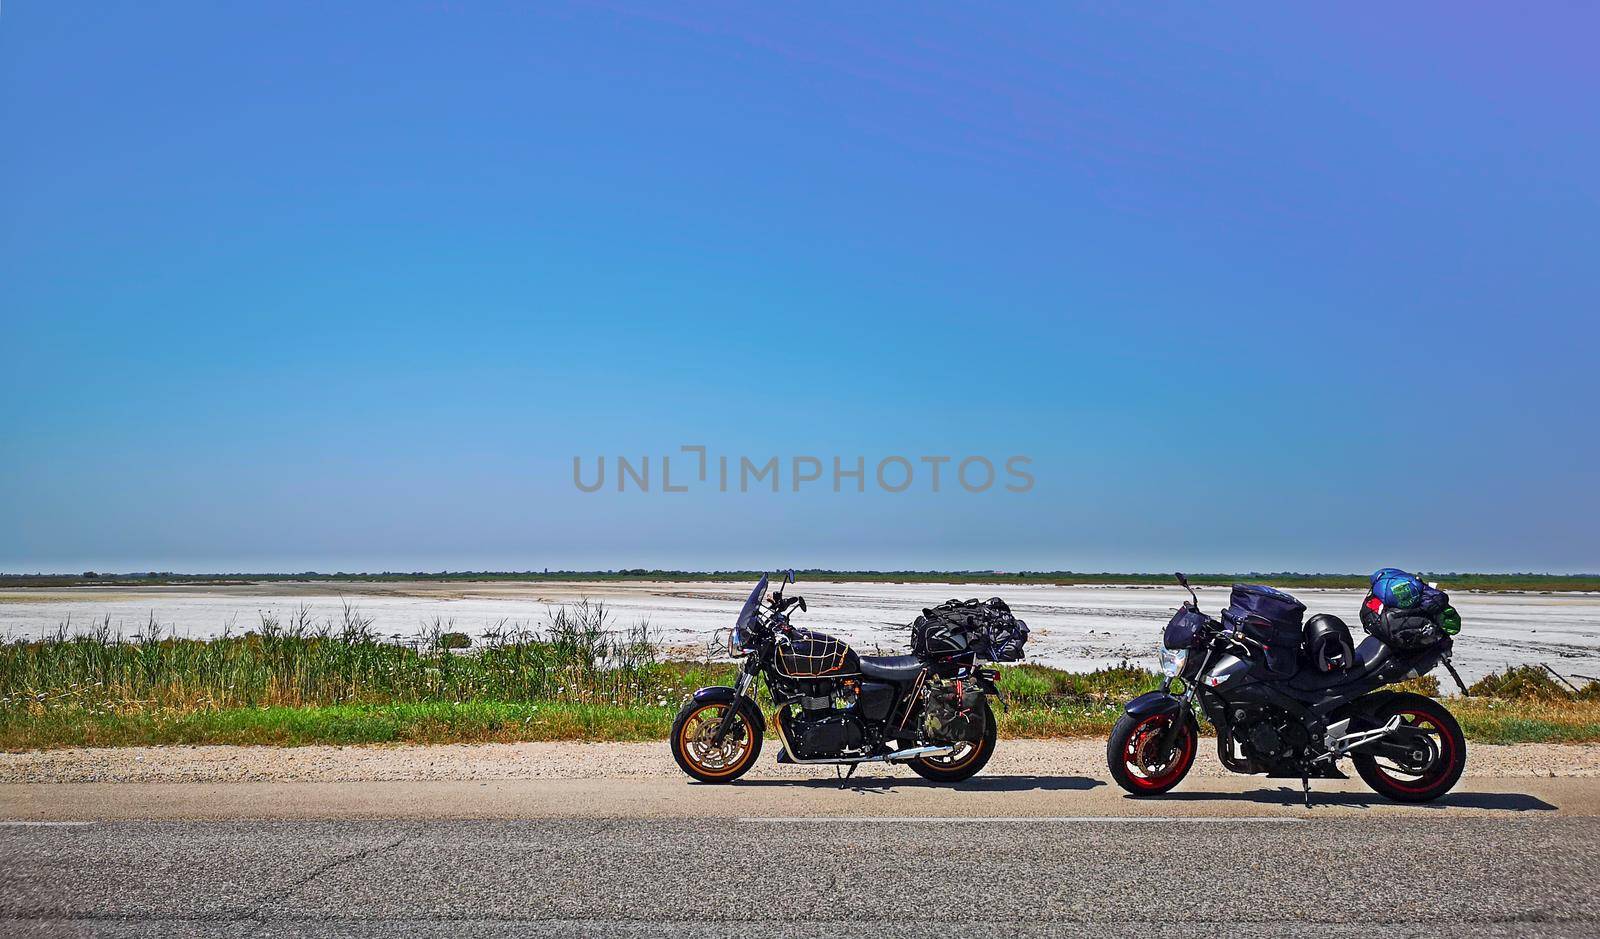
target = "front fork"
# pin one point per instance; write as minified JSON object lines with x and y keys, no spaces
{"x":741,"y":687}
{"x":1186,"y":698}
{"x":1169,"y":739}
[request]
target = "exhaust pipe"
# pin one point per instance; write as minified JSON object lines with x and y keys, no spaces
{"x":914,"y":753}
{"x":898,"y":756}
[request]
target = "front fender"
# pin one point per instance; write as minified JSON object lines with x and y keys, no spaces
{"x":722,"y":694}
{"x":1154,"y":702}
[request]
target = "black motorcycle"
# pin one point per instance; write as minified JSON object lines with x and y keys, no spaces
{"x":1405,"y":746}
{"x":833,"y":706}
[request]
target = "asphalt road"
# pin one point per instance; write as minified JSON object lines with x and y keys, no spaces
{"x":658,"y":857}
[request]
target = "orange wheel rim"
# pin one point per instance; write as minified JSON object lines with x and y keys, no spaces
{"x":694,"y":741}
{"x":953,"y":761}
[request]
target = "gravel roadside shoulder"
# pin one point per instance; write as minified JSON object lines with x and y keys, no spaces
{"x":480,"y":762}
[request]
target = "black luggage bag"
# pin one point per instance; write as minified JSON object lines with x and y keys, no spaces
{"x":985,"y":628}
{"x":1272,"y":618}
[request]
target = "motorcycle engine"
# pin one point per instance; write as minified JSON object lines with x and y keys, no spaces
{"x":819,"y":729}
{"x":1267,"y":735}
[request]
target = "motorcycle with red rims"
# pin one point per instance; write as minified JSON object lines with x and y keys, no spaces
{"x":1288,"y":704}
{"x":833,"y":706}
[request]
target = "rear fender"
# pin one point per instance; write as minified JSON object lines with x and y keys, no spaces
{"x":986,"y":679}
{"x":722,"y":694}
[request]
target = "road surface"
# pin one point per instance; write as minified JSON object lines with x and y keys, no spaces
{"x":1009,"y":854}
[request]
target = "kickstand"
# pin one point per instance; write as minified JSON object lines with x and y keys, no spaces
{"x":847,"y":774}
{"x":1305,"y":783}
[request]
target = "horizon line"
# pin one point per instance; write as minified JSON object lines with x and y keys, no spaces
{"x":645,"y":571}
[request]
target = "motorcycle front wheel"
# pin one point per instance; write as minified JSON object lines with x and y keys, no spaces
{"x":1133,"y":758}
{"x":1396,"y":782}
{"x":696,"y":754}
{"x":969,"y":757}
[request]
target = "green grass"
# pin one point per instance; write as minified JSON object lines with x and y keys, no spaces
{"x":1525,"y":722}
{"x":301,"y":683}
{"x":431,"y":722}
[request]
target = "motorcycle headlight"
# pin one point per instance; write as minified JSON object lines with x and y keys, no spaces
{"x":741,"y":640}
{"x":1172,"y":661}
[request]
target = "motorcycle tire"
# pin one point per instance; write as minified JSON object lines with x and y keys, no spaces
{"x":959,"y":767}
{"x":1393,"y":783}
{"x":1128,"y":736}
{"x":691,"y":746}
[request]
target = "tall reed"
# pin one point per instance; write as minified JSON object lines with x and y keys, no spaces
{"x":576,"y":656}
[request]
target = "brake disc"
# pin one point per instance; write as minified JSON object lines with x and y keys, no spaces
{"x":1139,"y":754}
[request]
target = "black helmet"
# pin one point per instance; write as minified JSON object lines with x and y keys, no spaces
{"x":1328,"y":646}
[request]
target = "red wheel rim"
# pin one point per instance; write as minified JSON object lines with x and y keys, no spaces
{"x":1448,"y":748}
{"x":1143,"y":734}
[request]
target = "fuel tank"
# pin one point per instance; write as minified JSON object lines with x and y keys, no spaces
{"x":811,"y":654}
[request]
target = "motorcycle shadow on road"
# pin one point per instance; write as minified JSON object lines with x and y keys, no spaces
{"x":1500,"y":801}
{"x":881,"y":784}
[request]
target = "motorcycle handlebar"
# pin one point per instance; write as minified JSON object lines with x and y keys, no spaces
{"x":1229,"y":634}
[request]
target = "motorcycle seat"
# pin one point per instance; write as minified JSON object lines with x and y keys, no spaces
{"x":1371,"y":656}
{"x":895,"y":668}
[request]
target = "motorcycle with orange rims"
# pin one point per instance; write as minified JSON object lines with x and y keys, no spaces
{"x":834,"y":707}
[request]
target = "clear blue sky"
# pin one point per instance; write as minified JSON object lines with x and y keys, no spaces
{"x":298,"y":286}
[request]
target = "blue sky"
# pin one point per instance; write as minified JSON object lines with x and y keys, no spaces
{"x":298,"y":286}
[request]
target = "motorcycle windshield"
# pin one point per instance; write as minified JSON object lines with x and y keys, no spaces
{"x":1184,"y":629}
{"x":753,"y":603}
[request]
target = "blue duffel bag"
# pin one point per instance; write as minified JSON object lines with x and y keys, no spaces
{"x":1397,"y":589}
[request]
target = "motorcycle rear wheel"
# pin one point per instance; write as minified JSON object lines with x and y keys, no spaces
{"x":699,"y":757}
{"x":967,"y":761}
{"x":1394,"y":782}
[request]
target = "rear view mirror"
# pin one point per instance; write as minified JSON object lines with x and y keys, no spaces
{"x":1184,"y":581}
{"x":788,"y":576}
